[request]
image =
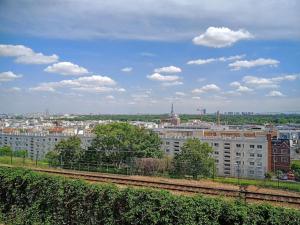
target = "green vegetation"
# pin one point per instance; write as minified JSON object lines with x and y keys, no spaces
{"x":194,"y":159}
{"x":296,"y":168}
{"x":32,"y":198}
{"x":20,"y":161}
{"x":228,"y":119}
{"x":291,"y":186}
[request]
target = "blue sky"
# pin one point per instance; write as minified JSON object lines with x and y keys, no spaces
{"x":112,"y":57}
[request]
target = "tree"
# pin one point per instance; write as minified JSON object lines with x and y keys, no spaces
{"x":5,"y":151}
{"x":116,"y":142}
{"x":194,"y":159}
{"x":21,"y":153}
{"x":69,"y":150}
{"x":52,"y":158}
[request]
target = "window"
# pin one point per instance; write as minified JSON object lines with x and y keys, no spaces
{"x":251,"y":146}
{"x":216,"y":153}
{"x":251,"y":154}
{"x":251,"y":163}
{"x":238,"y":154}
{"x":259,"y":155}
{"x":226,"y":164}
{"x":251,"y":172}
{"x":226,"y":143}
{"x":167,"y":143}
{"x":259,"y":146}
{"x":216,"y":144}
{"x":238,"y":145}
{"x":216,"y":160}
{"x":259,"y":164}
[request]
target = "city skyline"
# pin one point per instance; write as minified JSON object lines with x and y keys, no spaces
{"x":112,"y":57}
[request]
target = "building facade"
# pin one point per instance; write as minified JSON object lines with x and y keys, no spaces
{"x":37,"y":145}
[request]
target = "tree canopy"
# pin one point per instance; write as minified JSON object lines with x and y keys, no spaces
{"x":194,"y":159}
{"x":118,"y":141}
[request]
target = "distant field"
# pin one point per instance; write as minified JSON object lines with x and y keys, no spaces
{"x":226,"y":119}
{"x":17,"y":161}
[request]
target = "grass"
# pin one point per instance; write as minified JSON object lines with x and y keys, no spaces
{"x":291,"y":186}
{"x":18,"y":161}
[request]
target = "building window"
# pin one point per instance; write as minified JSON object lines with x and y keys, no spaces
{"x":259,"y":146}
{"x":238,"y":145}
{"x":284,"y":159}
{"x":259,"y":164}
{"x":167,"y":143}
{"x":216,"y":153}
{"x":251,"y":163}
{"x":216,"y":160}
{"x":251,"y":172}
{"x":238,"y":154}
{"x":251,"y":146}
{"x":259,"y":155}
{"x":251,"y":154}
{"x":216,"y":144}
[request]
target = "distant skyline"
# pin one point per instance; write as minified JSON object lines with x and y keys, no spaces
{"x":129,"y":57}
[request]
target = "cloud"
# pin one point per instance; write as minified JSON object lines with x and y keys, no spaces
{"x":240,"y":88}
{"x":110,"y":97}
{"x":127,"y":69}
{"x":25,"y":55}
{"x":90,"y":84}
{"x":219,"y":37}
{"x":147,"y":20}
{"x":174,"y":83}
{"x":262,"y":82}
{"x":66,"y":68}
{"x":210,"y":60}
{"x":196,"y":97}
{"x":206,"y":88}
{"x":42,"y":89}
{"x":168,"y":69}
{"x":178,"y":93}
{"x":159,"y":77}
{"x":253,"y":63}
{"x":8,"y":76}
{"x":275,"y":94}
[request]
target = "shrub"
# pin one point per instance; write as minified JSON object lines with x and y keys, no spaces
{"x":31,"y":198}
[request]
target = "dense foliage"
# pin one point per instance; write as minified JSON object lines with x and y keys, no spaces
{"x":32,"y":198}
{"x":115,"y":144}
{"x":194,"y":159}
{"x":228,"y":119}
{"x":119,"y":141}
{"x":296,"y":168}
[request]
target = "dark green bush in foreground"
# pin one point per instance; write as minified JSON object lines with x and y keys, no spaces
{"x":32,"y":198}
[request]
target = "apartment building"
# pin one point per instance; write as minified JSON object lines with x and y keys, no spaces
{"x":38,"y":145}
{"x":236,"y":153}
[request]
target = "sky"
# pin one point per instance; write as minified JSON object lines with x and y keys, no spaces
{"x":114,"y":57}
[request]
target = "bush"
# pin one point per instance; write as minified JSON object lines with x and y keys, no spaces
{"x":30,"y":198}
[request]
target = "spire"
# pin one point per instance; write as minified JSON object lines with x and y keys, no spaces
{"x":172,"y":109}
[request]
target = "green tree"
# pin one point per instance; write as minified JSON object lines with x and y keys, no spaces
{"x":116,"y":142}
{"x":5,"y":151}
{"x":53,"y":158}
{"x":194,"y":159}
{"x":69,"y":150}
{"x":21,"y":153}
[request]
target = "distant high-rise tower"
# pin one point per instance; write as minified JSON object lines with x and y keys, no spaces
{"x":172,"y":110}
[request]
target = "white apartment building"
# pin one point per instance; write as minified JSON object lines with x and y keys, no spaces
{"x":234,"y":156}
{"x":38,"y":145}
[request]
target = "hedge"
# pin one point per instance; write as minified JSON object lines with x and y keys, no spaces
{"x":32,"y":198}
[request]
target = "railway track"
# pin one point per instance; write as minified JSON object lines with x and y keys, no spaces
{"x":172,"y":186}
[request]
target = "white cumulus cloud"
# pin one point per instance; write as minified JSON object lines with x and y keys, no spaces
{"x":275,"y":94}
{"x":8,"y":76}
{"x":168,"y":69}
{"x":159,"y":77}
{"x":178,"y":93}
{"x":127,"y":69}
{"x":219,"y":37}
{"x":25,"y":55}
{"x":206,"y":88}
{"x":210,"y":60}
{"x":66,"y":68}
{"x":237,"y":65}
